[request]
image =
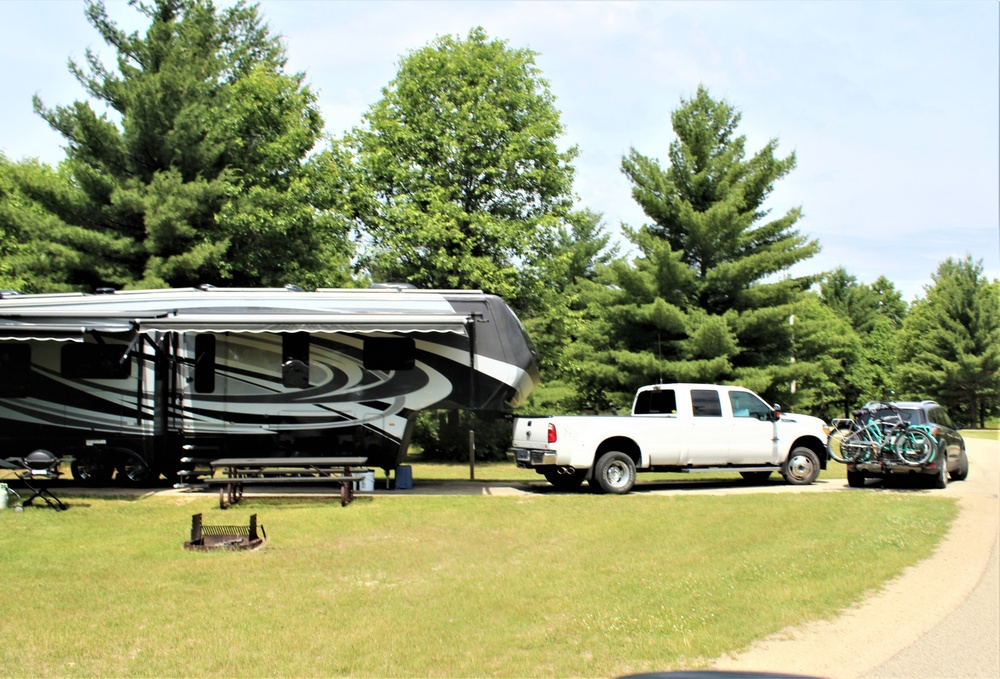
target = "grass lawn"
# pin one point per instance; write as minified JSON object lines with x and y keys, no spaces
{"x":546,"y":585}
{"x":988,"y":434}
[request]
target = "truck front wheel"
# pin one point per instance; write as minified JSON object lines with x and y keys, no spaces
{"x":801,"y":468}
{"x":614,"y":473}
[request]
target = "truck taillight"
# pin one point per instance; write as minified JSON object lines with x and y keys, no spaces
{"x":552,"y":433}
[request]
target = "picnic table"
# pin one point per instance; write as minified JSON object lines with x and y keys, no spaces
{"x":238,"y":472}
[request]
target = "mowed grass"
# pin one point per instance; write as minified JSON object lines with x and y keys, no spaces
{"x":987,"y":434}
{"x":526,"y":586}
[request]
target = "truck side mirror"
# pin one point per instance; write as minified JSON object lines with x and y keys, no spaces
{"x":776,"y":413}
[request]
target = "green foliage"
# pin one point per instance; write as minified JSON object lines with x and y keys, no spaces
{"x":444,"y":435}
{"x":47,"y":244}
{"x":703,"y":301}
{"x":708,"y":206}
{"x":457,"y":181}
{"x":196,"y":173}
{"x":583,"y":246}
{"x":873,"y":315}
{"x":950,"y":344}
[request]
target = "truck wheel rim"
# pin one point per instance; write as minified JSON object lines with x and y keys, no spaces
{"x":616,"y":474}
{"x":800,"y":467}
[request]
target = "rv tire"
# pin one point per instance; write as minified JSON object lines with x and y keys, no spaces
{"x":90,"y":471}
{"x":133,"y":470}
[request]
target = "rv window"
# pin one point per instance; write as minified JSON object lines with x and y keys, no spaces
{"x":204,"y":364}
{"x":295,"y":347}
{"x":15,"y":370}
{"x":95,"y":361}
{"x":295,"y":360}
{"x":390,"y":353}
{"x":705,"y":403}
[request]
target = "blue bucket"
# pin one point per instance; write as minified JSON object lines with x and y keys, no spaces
{"x":404,"y":477}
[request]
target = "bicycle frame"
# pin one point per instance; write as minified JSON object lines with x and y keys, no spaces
{"x":885,"y":441}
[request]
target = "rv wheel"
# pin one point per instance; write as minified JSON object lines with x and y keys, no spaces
{"x":133,"y":470}
{"x":90,"y":471}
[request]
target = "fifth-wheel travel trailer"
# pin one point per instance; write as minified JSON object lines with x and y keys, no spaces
{"x":131,"y":382}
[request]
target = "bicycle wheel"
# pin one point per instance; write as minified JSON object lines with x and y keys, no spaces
{"x":845,"y":447}
{"x":914,"y":447}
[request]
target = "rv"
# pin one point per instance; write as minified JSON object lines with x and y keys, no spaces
{"x":129,"y":383}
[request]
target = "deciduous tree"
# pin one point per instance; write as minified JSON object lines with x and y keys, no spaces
{"x":458,"y":177}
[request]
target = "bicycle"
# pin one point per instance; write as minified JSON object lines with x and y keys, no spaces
{"x":871,"y":439}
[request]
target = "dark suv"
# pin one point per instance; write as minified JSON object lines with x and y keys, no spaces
{"x":949,"y":458}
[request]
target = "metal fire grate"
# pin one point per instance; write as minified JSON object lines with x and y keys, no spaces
{"x":225,"y":537}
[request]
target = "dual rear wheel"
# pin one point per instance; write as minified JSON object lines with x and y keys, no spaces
{"x":96,"y":468}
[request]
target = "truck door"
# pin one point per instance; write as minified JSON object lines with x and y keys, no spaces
{"x":753,"y":432}
{"x":709,"y":436}
{"x":667,"y":446}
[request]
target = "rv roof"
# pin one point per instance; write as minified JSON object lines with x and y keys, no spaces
{"x":62,"y":317}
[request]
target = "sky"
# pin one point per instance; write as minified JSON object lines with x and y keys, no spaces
{"x":891,"y":108}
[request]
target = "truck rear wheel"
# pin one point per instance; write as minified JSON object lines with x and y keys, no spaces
{"x":615,"y":473}
{"x":801,"y":468}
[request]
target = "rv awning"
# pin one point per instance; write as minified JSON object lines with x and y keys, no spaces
{"x":349,"y":323}
{"x":56,"y":332}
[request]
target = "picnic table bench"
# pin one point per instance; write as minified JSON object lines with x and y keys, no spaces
{"x":238,"y":472}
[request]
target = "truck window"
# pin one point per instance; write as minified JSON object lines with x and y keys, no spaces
{"x":746,"y":404}
{"x":705,"y":403}
{"x":661,"y":402}
{"x":15,"y":370}
{"x":204,"y":364}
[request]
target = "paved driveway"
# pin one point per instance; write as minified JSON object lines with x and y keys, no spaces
{"x":903,"y":631}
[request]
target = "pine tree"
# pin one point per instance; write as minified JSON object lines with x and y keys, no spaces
{"x":706,"y":298}
{"x":197,"y":171}
{"x":950,"y":344}
{"x":874,"y":315}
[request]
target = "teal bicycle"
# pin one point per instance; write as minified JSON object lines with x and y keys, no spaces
{"x":886,"y":438}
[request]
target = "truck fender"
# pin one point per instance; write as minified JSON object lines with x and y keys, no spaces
{"x":622,"y":444}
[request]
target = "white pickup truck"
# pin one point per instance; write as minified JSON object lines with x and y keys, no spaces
{"x":673,"y":428}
